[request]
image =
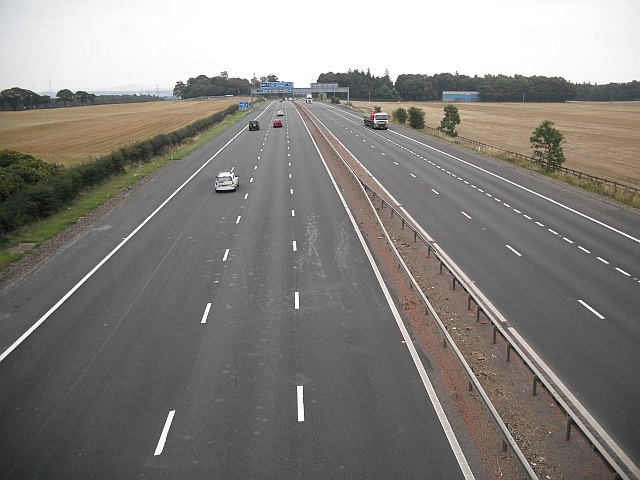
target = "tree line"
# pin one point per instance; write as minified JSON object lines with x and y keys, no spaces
{"x":21,"y":99}
{"x":492,"y":88}
{"x":218,"y":86}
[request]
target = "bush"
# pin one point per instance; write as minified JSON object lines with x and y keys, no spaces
{"x":17,"y":170}
{"x":416,"y":118}
{"x":400,"y":115}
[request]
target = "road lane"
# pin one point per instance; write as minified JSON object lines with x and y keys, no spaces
{"x":129,"y":377}
{"x":562,"y":235}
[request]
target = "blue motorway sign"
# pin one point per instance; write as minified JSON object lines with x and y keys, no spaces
{"x":276,"y":84}
{"x":244,"y":105}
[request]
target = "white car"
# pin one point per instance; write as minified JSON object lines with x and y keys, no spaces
{"x":280,"y":113}
{"x":226,"y":181}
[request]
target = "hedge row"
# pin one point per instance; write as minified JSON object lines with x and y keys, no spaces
{"x":49,"y":195}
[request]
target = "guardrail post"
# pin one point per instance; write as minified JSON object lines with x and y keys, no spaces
{"x":415,"y":236}
{"x":392,"y":213}
{"x":428,"y":251}
{"x":508,"y":352}
{"x":567,"y":436}
{"x":453,"y":283}
{"x":535,"y":385}
{"x":403,"y":224}
{"x":495,"y":331}
{"x":478,"y":310}
{"x":441,"y":267}
{"x":468,"y":302}
{"x":470,"y":386}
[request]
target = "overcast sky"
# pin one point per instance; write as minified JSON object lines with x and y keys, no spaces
{"x":92,"y":45}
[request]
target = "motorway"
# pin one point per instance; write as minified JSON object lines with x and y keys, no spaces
{"x":194,"y":334}
{"x":562,"y":266}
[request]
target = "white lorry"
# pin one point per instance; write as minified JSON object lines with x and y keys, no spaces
{"x":308,"y":98}
{"x":377,"y":120}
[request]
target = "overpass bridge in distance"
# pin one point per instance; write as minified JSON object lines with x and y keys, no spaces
{"x":314,"y":89}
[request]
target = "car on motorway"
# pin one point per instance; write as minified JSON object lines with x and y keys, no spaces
{"x":280,"y":113}
{"x":277,"y":123}
{"x":226,"y":181}
{"x":254,"y":125}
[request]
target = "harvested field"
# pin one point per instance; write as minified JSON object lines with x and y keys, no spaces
{"x":603,"y":139}
{"x":71,"y":135}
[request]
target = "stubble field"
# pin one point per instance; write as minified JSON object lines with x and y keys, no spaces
{"x":71,"y":135}
{"x":603,"y":139}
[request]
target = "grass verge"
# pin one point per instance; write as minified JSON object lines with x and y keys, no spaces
{"x":35,"y":234}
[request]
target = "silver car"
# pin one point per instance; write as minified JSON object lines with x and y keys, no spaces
{"x":226,"y":181}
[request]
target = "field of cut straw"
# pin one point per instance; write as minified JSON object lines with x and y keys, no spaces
{"x":71,"y":135}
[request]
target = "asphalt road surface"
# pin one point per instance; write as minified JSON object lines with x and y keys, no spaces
{"x":194,"y":334}
{"x":562,"y":266}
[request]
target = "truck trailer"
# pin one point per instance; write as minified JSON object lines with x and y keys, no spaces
{"x":377,"y":120}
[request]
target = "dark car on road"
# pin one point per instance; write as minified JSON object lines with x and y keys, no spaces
{"x":254,"y":125}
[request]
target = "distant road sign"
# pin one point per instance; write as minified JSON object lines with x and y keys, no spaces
{"x":276,"y":84}
{"x":244,"y":105}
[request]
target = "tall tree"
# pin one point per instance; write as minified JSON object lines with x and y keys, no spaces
{"x":82,"y":97}
{"x":65,"y":96}
{"x":546,"y":142}
{"x":450,"y":120}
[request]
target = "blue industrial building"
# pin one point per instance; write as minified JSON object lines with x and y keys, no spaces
{"x":460,"y":96}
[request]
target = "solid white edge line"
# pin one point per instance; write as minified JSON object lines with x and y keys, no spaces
{"x":435,"y":402}
{"x":300,"y":396}
{"x":42,"y":319}
{"x":205,"y":315}
{"x":165,"y":432}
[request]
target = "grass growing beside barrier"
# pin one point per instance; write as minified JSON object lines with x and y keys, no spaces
{"x":38,"y":232}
